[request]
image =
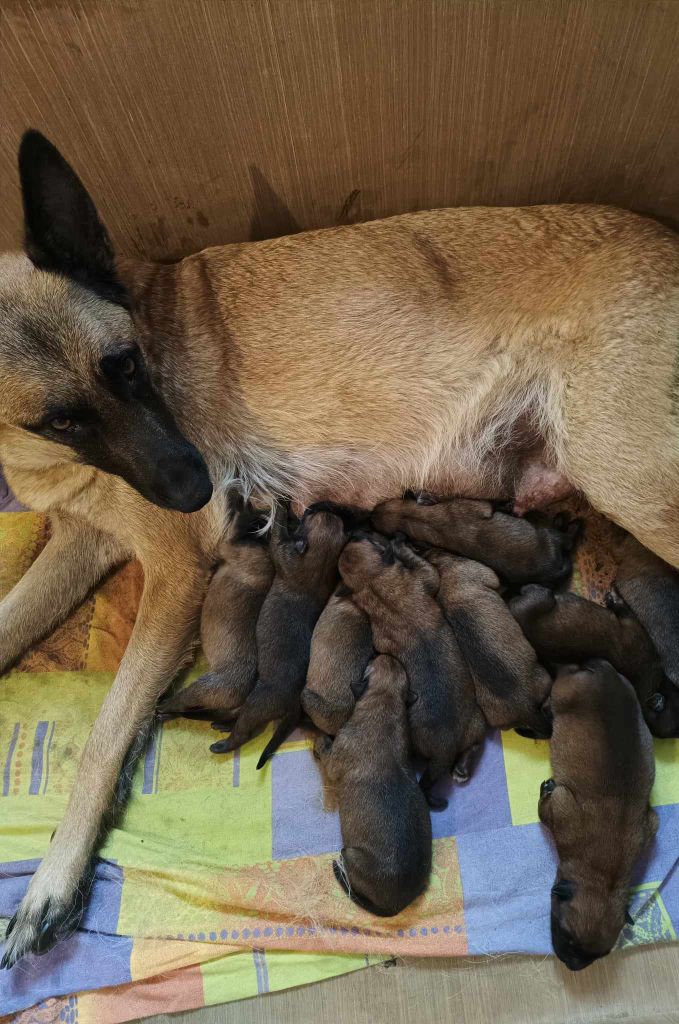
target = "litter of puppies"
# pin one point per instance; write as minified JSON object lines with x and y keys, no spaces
{"x":402,"y":635}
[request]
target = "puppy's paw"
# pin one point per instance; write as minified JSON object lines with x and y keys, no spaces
{"x":42,"y":921}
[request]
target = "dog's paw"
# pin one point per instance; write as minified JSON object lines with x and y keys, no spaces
{"x":37,"y":928}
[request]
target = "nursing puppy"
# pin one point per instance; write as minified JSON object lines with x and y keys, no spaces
{"x":396,"y":589}
{"x":565,"y":628}
{"x":596,"y":806}
{"x":511,"y":687}
{"x":337,"y":362}
{"x":228,"y":622}
{"x":650,"y":588}
{"x":305,"y":564}
{"x":341,"y":647}
{"x":515,"y":548}
{"x":386,"y":828}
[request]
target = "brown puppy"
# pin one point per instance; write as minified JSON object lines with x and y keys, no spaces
{"x":515,"y":548}
{"x":345,"y":361}
{"x":565,"y":628}
{"x":386,"y":828}
{"x":306,"y":573}
{"x":341,"y":647}
{"x":511,"y":687}
{"x":650,"y":587}
{"x":229,"y":622}
{"x":596,"y":807}
{"x":396,"y":589}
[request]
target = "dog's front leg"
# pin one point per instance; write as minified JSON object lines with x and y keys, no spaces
{"x":161,"y":641}
{"x":71,"y":563}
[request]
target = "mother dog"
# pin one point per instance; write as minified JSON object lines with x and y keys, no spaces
{"x":471,"y":351}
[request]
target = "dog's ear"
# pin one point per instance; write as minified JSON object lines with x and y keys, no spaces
{"x":62,"y":230}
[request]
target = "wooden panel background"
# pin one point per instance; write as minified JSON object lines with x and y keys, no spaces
{"x":201,"y":121}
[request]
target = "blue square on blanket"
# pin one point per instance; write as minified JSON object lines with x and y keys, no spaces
{"x":300,"y":824}
{"x":480,"y":804}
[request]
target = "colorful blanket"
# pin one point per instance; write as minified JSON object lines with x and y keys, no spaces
{"x":218,"y":884}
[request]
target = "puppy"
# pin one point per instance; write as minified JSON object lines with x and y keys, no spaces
{"x":650,"y":587}
{"x":596,"y":807}
{"x":386,"y":828}
{"x":518,"y":550}
{"x":396,"y":589}
{"x":341,"y":648}
{"x":565,"y":628}
{"x":305,"y":563}
{"x":512,"y":689}
{"x":229,"y":621}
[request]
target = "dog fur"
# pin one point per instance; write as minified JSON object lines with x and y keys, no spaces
{"x":517,"y":550}
{"x":305,"y":561}
{"x":386,"y":828}
{"x":596,"y":807}
{"x":565,"y":628}
{"x":349,"y":363}
{"x":650,"y":588}
{"x":396,"y":589}
{"x":512,"y":689}
{"x":341,"y":647}
{"x":228,"y":624}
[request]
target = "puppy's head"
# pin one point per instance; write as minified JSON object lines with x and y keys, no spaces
{"x":364,"y":558}
{"x":75,"y":385}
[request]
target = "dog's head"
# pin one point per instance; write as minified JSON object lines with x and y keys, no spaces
{"x":74,"y":383}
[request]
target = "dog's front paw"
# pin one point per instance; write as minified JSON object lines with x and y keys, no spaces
{"x":42,"y":921}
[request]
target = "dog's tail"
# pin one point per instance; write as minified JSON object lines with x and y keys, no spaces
{"x":283,"y":730}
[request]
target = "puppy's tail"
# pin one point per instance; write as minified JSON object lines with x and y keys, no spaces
{"x":283,"y":730}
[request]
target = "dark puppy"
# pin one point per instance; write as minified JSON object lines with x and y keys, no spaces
{"x":596,"y":807}
{"x":516,"y":549}
{"x":229,"y":621}
{"x":341,"y":647}
{"x":386,"y":828}
{"x":650,"y":587}
{"x":396,"y":589}
{"x":565,"y":628}
{"x":511,"y":687}
{"x":306,"y":573}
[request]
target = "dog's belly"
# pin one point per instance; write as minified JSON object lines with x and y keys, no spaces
{"x":531,"y":483}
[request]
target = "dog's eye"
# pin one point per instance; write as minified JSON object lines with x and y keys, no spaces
{"x":128,"y":367}
{"x":61,"y":423}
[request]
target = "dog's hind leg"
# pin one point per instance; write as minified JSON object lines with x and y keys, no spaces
{"x":72,"y":562}
{"x":161,"y":642}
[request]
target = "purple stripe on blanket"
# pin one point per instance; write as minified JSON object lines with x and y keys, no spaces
{"x":259,"y":957}
{"x":8,"y":502}
{"x":6,"y":775}
{"x":37,"y":758}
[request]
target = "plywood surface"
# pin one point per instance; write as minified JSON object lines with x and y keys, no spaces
{"x":196,"y":122}
{"x":638,"y":987}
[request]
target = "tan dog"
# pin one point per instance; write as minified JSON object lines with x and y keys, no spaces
{"x":596,"y":807}
{"x":650,"y":588}
{"x":386,"y":828}
{"x":418,"y":351}
{"x":341,"y":647}
{"x":565,"y":628}
{"x":515,"y":548}
{"x":396,"y":589}
{"x":306,"y":573}
{"x":228,"y":624}
{"x":512,"y":689}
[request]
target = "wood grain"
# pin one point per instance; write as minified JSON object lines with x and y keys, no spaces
{"x":640,"y":986}
{"x":207,"y":121}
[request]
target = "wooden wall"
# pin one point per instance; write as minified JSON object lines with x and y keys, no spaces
{"x":195,"y":122}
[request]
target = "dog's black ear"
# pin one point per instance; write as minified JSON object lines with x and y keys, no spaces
{"x":62,"y":229}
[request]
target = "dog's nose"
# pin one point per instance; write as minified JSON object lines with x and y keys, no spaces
{"x":184,"y":481}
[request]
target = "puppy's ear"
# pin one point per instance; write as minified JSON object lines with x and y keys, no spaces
{"x":62,"y":229}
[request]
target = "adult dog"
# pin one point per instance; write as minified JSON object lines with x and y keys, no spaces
{"x":452,"y":350}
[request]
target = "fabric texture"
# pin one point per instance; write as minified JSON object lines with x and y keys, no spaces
{"x":218,"y":882}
